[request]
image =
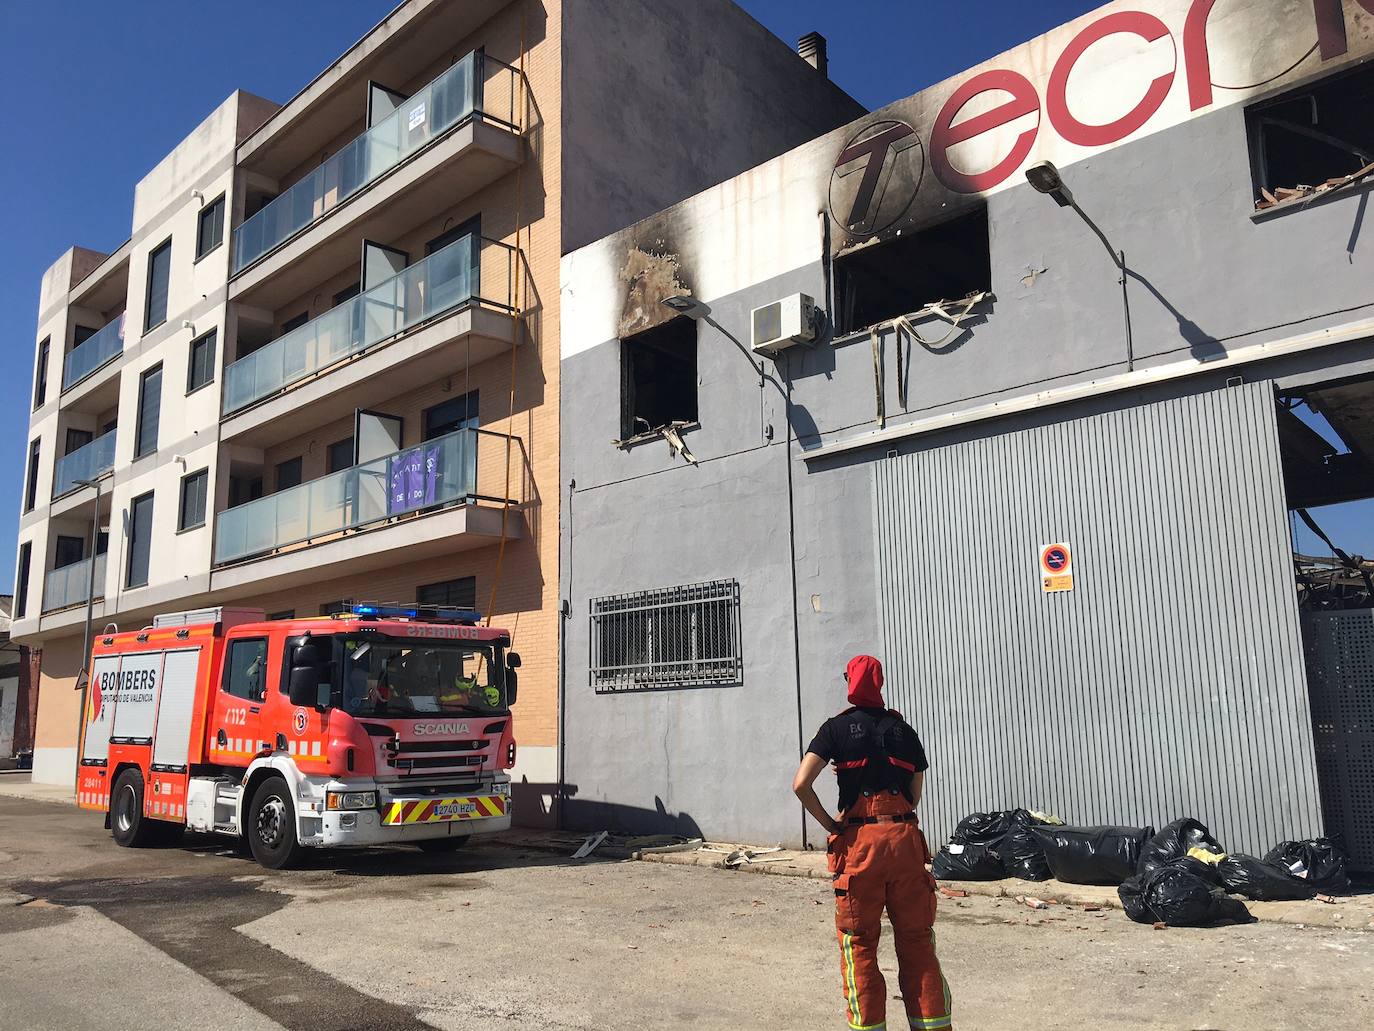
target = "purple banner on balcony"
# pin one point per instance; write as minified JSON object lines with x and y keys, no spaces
{"x":414,"y":479}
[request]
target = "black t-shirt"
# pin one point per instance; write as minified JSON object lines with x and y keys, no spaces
{"x":848,"y":738}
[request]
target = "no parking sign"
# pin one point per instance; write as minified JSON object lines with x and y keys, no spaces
{"x":1056,"y":567}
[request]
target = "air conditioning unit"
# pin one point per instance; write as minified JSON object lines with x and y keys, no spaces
{"x":779,"y":325}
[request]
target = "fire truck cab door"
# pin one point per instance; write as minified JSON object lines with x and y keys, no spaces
{"x":236,"y":734}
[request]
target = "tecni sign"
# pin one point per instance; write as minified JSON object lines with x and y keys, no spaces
{"x":1120,"y":72}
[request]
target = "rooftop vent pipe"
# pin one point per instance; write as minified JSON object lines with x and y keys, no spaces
{"x":812,"y":50}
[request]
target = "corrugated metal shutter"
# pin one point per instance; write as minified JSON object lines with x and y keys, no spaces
{"x":1169,"y":683}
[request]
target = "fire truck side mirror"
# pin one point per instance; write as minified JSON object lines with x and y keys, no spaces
{"x":305,"y":686}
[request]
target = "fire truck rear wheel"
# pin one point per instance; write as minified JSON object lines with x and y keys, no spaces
{"x":452,"y":844}
{"x":271,"y":829}
{"x":128,"y":826}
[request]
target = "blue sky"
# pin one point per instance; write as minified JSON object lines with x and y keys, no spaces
{"x":113,"y":86}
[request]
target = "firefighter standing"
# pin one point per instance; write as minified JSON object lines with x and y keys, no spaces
{"x":877,"y":853}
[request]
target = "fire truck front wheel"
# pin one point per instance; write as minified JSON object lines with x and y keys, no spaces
{"x":129,"y":827}
{"x":271,"y":829}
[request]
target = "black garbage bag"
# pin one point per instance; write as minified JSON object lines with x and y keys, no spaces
{"x":1093,"y":855}
{"x":987,"y":828}
{"x":1262,"y":881}
{"x":957,"y":862}
{"x":1317,"y":861}
{"x":1181,"y":894}
{"x":1173,"y":842}
{"x":1022,"y":855}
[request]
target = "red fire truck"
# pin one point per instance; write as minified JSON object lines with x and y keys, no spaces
{"x":380,"y":725}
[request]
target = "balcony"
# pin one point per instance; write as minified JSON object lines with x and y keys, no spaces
{"x":93,"y":354}
{"x":455,"y":97}
{"x":85,"y":463}
{"x":68,"y":586}
{"x":436,"y":474}
{"x":460,"y":297}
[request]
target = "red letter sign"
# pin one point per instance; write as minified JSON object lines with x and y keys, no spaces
{"x":1148,"y":28}
{"x":1024,"y":101}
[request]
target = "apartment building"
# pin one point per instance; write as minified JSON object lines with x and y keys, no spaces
{"x":324,"y":367}
{"x":1048,"y":484}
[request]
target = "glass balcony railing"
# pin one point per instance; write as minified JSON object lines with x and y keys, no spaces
{"x":85,"y":463}
{"x":447,"y":279}
{"x":439,"y":472}
{"x":65,"y":587}
{"x":452,"y":98}
{"x":93,"y":353}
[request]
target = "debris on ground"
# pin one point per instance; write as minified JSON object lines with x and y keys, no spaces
{"x":740,"y":855}
{"x":1032,"y":902}
{"x":591,"y":844}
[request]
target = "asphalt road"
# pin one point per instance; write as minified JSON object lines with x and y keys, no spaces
{"x":200,"y":937}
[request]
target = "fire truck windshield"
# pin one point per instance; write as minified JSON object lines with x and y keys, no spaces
{"x":385,"y":677}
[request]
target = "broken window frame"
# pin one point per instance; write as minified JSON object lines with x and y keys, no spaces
{"x":1266,"y":194}
{"x":639,"y":343}
{"x":846,"y":265}
{"x":666,"y":638}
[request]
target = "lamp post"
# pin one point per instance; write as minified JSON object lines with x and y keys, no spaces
{"x":83,"y":675}
{"x":1045,"y":178}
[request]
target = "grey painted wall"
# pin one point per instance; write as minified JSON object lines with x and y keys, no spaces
{"x":662,"y":100}
{"x":1179,"y":203}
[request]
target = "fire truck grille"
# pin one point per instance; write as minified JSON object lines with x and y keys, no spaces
{"x":437,"y":762}
{"x":440,"y":746}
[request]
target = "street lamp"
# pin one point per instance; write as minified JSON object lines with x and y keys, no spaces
{"x":83,"y":676}
{"x":1045,"y":178}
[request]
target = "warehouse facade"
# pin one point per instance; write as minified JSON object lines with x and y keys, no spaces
{"x":1055,"y":504}
{"x":324,"y":368}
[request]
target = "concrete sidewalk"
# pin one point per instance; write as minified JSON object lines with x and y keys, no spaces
{"x":17,"y":784}
{"x":1352,"y":913}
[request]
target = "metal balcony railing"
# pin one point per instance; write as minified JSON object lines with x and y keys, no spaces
{"x":85,"y":463}
{"x":448,"y":279}
{"x":65,"y":587}
{"x":439,"y":472}
{"x":451,"y":99}
{"x":93,"y":353}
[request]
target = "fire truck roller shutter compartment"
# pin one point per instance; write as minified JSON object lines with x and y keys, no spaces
{"x":136,"y":698}
{"x":175,"y":709}
{"x":100,"y":707}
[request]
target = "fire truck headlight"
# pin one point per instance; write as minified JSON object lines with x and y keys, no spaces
{"x":352,"y":800}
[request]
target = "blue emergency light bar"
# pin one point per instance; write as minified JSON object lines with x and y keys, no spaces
{"x":430,"y":614}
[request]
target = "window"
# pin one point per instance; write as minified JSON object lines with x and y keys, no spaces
{"x":340,"y":455}
{"x":77,"y":439}
{"x":40,"y":379}
{"x":193,"y":489}
{"x":673,"y":637}
{"x":948,"y":261}
{"x":243,"y":489}
{"x":295,"y":323}
{"x":149,"y":411}
{"x":289,"y":474}
{"x":159,"y":272}
{"x":201,"y":368}
{"x":452,"y":594}
{"x":70,"y":551}
{"x":283,"y":614}
{"x":140,"y":540}
{"x":31,"y":487}
{"x":455,"y":414}
{"x":21,"y":583}
{"x":658,"y":378}
{"x":245,"y":670}
{"x":333,"y":608}
{"x":347,"y":294}
{"x":1317,"y":134}
{"x":210,"y":227}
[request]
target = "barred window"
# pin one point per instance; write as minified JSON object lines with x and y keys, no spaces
{"x":671,"y":637}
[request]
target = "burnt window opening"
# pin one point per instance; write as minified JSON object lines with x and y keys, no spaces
{"x":1312,"y":136}
{"x":658,"y":378}
{"x":944,"y":262}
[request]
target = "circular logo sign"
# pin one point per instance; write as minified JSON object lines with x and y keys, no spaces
{"x":300,"y":721}
{"x":876,"y":177}
{"x":1055,"y":558}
